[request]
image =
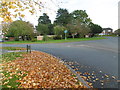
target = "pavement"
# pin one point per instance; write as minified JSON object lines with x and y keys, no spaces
{"x":98,"y":56}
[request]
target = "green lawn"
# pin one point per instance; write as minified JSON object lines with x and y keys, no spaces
{"x":55,"y":41}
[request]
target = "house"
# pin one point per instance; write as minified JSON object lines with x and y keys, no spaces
{"x":107,"y":31}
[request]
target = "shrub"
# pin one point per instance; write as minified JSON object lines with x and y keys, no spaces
{"x":16,"y":39}
{"x":34,"y":40}
{"x":45,"y":38}
{"x":58,"y":37}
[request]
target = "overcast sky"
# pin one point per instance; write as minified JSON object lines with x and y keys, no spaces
{"x":102,"y":12}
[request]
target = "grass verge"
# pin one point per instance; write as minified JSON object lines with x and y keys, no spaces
{"x":9,"y":73}
{"x":12,"y":48}
{"x":54,"y":41}
{"x":11,"y":56}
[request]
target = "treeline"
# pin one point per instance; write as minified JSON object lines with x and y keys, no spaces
{"x":77,"y":23}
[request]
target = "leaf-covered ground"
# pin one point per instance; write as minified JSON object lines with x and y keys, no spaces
{"x":12,"y":48}
{"x":37,"y":70}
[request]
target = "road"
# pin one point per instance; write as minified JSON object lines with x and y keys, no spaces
{"x":99,"y":56}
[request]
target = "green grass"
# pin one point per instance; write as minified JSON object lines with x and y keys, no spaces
{"x":54,"y":41}
{"x":11,"y":56}
{"x":11,"y":82}
{"x":12,"y":48}
{"x":8,"y":78}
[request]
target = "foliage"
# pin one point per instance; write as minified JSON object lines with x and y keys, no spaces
{"x":44,"y":19}
{"x":42,"y":29}
{"x":63,"y":17}
{"x":76,"y":22}
{"x":33,"y":40}
{"x":82,"y":16}
{"x":18,"y":6}
{"x":5,"y":27}
{"x":59,"y":30}
{"x":58,"y":37}
{"x":45,"y":38}
{"x":44,"y":25}
{"x":76,"y":28}
{"x":95,"y":29}
{"x":85,"y":30}
{"x":50,"y":27}
{"x":20,"y":28}
{"x":117,"y":32}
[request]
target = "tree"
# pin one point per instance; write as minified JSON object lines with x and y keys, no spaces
{"x":20,"y":28}
{"x":117,"y":32}
{"x":18,"y":6}
{"x":85,"y":30}
{"x":76,"y":28}
{"x":44,"y":23}
{"x":44,"y":19}
{"x":95,"y":29}
{"x":50,"y":27}
{"x":82,"y":16}
{"x":42,"y":29}
{"x":5,"y":27}
{"x":73,"y":30}
{"x":63,"y":17}
{"x":59,"y":30}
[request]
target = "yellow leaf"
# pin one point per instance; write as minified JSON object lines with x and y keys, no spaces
{"x":22,"y":15}
{"x":27,"y":8}
{"x":15,"y":15}
{"x":16,"y":10}
{"x":22,"y":9}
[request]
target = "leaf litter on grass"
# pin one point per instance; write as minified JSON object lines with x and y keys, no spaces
{"x":39,"y":70}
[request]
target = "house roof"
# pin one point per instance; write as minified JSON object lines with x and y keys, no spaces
{"x":107,"y":29}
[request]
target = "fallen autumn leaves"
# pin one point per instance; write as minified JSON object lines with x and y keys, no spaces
{"x":42,"y":70}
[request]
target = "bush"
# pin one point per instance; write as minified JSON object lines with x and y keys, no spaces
{"x":50,"y":38}
{"x":45,"y":38}
{"x":57,"y":37}
{"x":6,"y":39}
{"x":34,"y":40}
{"x":16,"y":39}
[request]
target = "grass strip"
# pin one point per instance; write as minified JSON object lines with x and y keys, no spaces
{"x":11,"y":56}
{"x":54,"y":41}
{"x":12,"y":48}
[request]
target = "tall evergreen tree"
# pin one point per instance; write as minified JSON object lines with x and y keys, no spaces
{"x":44,"y":25}
{"x":95,"y":29}
{"x":44,"y":19}
{"x":63,"y":17}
